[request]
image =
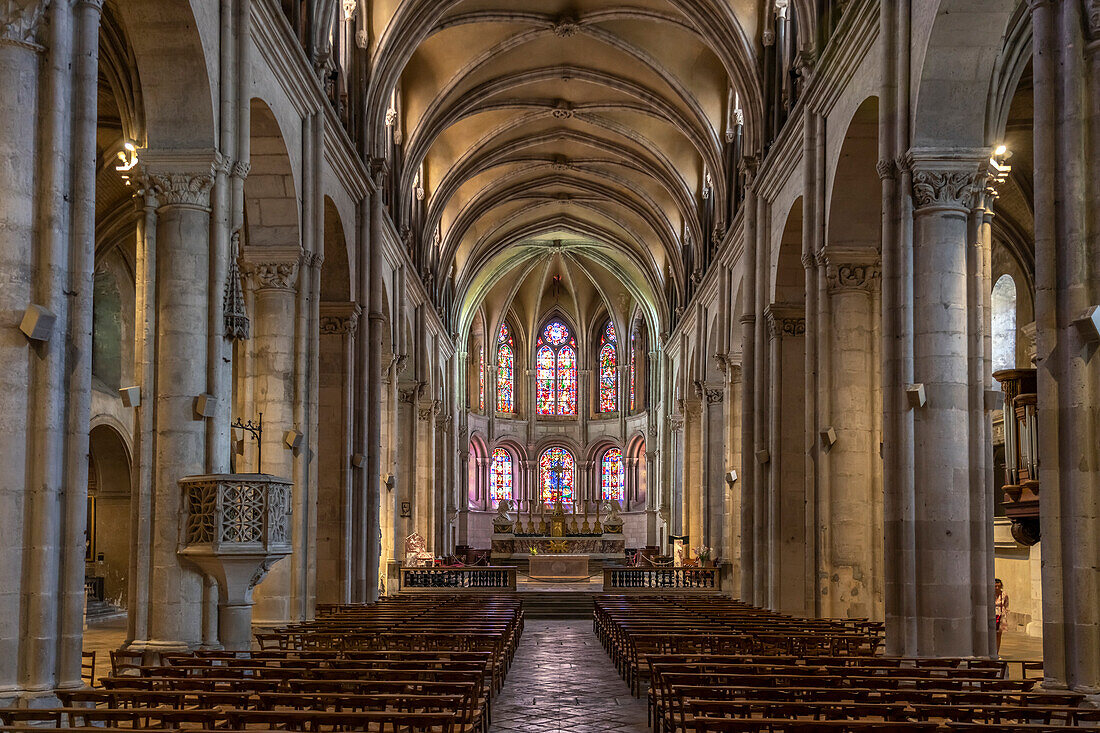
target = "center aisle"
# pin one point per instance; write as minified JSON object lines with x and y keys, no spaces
{"x":561,"y":681}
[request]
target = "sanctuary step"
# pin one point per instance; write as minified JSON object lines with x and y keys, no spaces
{"x":557,"y":604}
{"x":102,"y":610}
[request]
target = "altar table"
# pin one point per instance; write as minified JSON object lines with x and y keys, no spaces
{"x":559,"y":567}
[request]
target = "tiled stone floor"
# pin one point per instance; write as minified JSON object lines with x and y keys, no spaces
{"x":562,"y":681}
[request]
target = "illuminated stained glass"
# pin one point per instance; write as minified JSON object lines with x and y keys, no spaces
{"x":567,"y":381}
{"x":500,"y":477}
{"x":504,"y":336}
{"x":505,"y":385}
{"x":556,"y":371}
{"x":481,"y":378}
{"x":609,"y":389}
{"x":556,"y":471}
{"x":633,"y":371}
{"x":613,"y":476}
{"x":555,"y":333}
{"x":546,"y":383}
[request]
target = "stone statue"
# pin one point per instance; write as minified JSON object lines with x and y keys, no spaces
{"x":612,"y":523}
{"x":502,"y":523}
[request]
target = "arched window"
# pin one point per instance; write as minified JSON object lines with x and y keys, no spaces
{"x":1004,"y":323}
{"x":609,"y":388}
{"x":633,"y":367}
{"x":481,"y":378}
{"x":556,"y":372}
{"x":556,"y":471}
{"x":613,"y":476}
{"x":506,"y":369}
{"x":500,"y":477}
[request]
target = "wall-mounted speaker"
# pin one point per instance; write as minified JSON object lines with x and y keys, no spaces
{"x":204,"y":405}
{"x":1088,"y":325}
{"x":358,"y":460}
{"x":916,"y":396}
{"x":762,"y":457}
{"x":293,"y":439}
{"x":38,"y":322}
{"x":131,"y":396}
{"x":828,"y":438}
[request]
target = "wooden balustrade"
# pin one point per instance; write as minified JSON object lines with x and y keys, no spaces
{"x":489,"y":579}
{"x":649,"y":580}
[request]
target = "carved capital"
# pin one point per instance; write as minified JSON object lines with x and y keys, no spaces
{"x":843,"y":276}
{"x":715,"y":396}
{"x":407,"y":395}
{"x":887,"y":168}
{"x":947,"y":187}
{"x":280,"y":274}
{"x":180,"y":189}
{"x":785,"y":321}
{"x":676,"y":423}
{"x":20,"y":21}
{"x":340,"y":318}
{"x":1092,"y":18}
{"x":241,"y":169}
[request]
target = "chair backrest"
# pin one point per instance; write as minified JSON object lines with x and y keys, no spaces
{"x":87,"y":668}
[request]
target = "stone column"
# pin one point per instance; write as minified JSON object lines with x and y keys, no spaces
{"x":944,"y":190}
{"x":849,"y":565}
{"x":339,"y":326}
{"x":676,"y":516}
{"x":714,"y":485}
{"x":424,"y":482}
{"x":735,"y":461}
{"x":1067,"y":283}
{"x":181,"y":184}
{"x":274,"y":279}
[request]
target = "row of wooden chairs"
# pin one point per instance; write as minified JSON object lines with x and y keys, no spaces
{"x":428,"y":665}
{"x":718,"y":665}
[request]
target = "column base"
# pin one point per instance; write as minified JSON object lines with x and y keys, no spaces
{"x":158,"y":646}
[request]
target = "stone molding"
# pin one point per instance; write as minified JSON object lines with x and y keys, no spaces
{"x":887,"y":168}
{"x":566,"y":27}
{"x":676,"y":423}
{"x":20,"y":21}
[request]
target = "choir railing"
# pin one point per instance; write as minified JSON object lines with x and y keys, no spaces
{"x":484,"y":579}
{"x":650,"y":580}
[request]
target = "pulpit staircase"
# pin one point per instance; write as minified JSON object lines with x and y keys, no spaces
{"x":559,"y":605}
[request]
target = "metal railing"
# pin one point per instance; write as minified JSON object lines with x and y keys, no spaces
{"x":648,"y":580}
{"x":462,"y":580}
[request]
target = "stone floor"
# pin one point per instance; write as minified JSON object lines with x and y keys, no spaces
{"x":562,"y":681}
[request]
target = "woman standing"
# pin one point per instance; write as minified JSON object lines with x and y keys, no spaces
{"x":1000,"y":604}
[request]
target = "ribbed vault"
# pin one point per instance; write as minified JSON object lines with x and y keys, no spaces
{"x":579,"y":134}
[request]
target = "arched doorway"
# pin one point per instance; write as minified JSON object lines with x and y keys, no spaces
{"x":107,"y":554}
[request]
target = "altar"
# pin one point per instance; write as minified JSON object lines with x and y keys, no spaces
{"x":559,"y":567}
{"x":549,"y":530}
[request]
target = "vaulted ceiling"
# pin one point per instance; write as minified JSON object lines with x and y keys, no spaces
{"x":575,"y":134}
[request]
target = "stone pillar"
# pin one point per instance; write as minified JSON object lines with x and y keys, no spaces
{"x":849,"y":563}
{"x":1067,"y":283}
{"x":714,"y":485}
{"x":36,"y":264}
{"x":424,"y":487}
{"x":787,"y":546}
{"x":675,"y":519}
{"x":734,"y":461}
{"x":944,"y":191}
{"x":274,"y":280}
{"x":181,"y":184}
{"x":339,"y":327}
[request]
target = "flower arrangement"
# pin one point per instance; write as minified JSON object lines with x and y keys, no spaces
{"x":703,"y":553}
{"x":533,"y":550}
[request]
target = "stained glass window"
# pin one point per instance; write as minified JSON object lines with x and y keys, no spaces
{"x":613,"y":476}
{"x":500,"y":477}
{"x":481,"y":378}
{"x":556,"y":371}
{"x":609,"y":389}
{"x":556,"y":476}
{"x":633,"y":370}
{"x":506,"y":369}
